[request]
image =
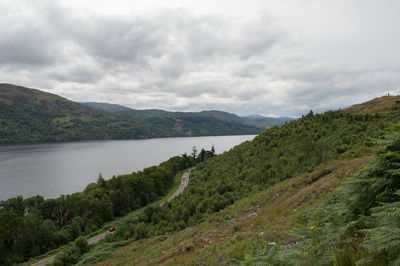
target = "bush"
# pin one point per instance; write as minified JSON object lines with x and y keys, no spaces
{"x":82,"y":244}
{"x":140,"y":231}
{"x":69,"y":256}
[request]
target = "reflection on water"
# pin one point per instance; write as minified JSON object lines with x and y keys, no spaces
{"x":60,"y":168}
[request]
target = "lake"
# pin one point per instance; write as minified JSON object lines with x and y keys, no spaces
{"x":52,"y":169}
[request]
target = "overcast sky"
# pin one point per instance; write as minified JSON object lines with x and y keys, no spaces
{"x":275,"y":58}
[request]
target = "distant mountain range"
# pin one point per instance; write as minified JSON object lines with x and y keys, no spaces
{"x":255,"y":120}
{"x":30,"y":115}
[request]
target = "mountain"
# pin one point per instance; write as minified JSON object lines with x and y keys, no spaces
{"x":191,"y":119}
{"x":30,"y":115}
{"x":221,"y":123}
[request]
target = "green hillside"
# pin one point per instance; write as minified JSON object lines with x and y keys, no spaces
{"x":257,"y":202}
{"x":196,"y":123}
{"x":29,"y":115}
{"x":193,"y":123}
{"x":267,"y":121}
{"x":113,"y":108}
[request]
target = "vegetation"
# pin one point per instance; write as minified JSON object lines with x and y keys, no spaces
{"x":360,"y":222}
{"x":267,"y":122}
{"x":30,"y":227}
{"x":113,"y":108}
{"x":275,"y":155}
{"x":278,"y":154}
{"x":28,"y":115}
{"x":233,"y":235}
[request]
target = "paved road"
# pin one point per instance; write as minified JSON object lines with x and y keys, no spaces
{"x":92,"y":240}
{"x":184,"y":183}
{"x":95,"y":239}
{"x":45,"y":261}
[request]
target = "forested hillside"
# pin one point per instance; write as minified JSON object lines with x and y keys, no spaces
{"x":197,"y":123}
{"x":275,"y":155}
{"x":193,"y":122}
{"x":28,"y":115}
{"x":333,"y":141}
{"x":267,"y":121}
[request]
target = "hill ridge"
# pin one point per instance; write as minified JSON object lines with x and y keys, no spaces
{"x":30,"y":115}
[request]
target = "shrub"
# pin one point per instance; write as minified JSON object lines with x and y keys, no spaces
{"x":82,"y":244}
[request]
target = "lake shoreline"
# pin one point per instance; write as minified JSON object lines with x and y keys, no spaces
{"x":100,"y":140}
{"x":53,"y":169}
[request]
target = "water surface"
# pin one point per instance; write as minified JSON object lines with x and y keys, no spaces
{"x":63,"y":168}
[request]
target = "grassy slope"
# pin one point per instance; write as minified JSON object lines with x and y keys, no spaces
{"x":253,"y":221}
{"x":382,"y":104}
{"x":257,"y":219}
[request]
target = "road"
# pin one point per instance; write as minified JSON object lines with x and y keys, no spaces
{"x":95,"y":239}
{"x":184,"y":183}
{"x":92,"y":240}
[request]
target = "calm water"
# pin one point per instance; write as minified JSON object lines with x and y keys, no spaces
{"x":62,"y":168}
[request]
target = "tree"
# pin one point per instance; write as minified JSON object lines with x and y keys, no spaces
{"x":212,"y":150}
{"x":100,"y":181}
{"x":14,"y":205}
{"x":48,"y":232}
{"x":10,"y":228}
{"x":202,"y":155}
{"x":194,"y":152}
{"x":33,"y":203}
{"x":74,"y":228}
{"x":82,"y":244}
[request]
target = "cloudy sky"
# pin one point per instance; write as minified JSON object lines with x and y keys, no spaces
{"x":275,"y":58}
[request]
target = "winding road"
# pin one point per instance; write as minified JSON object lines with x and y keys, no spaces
{"x":92,"y":240}
{"x":184,"y":183}
{"x":95,"y":239}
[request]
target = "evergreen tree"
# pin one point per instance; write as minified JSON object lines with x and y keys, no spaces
{"x":100,"y":181}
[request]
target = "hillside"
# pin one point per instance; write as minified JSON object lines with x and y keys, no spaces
{"x":274,"y":190}
{"x":29,"y":115}
{"x":382,"y":104}
{"x":193,"y":122}
{"x":108,"y":107}
{"x":267,"y":121}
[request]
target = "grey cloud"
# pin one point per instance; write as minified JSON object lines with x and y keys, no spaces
{"x":177,"y":60}
{"x":24,"y":39}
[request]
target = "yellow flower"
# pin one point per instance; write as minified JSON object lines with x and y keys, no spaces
{"x":312,"y":227}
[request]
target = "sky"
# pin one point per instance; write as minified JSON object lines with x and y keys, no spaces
{"x":272,"y":58}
